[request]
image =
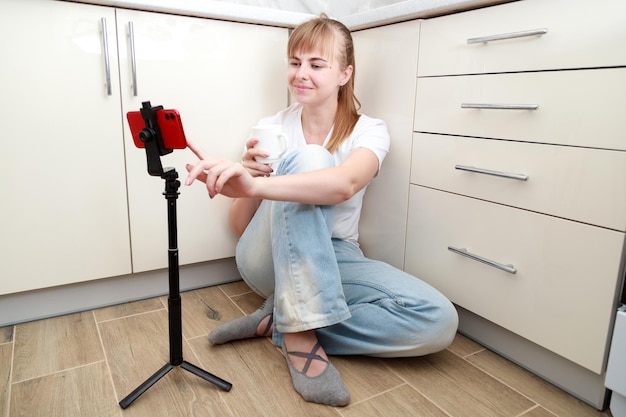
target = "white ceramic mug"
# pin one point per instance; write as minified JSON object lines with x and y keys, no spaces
{"x":271,"y":140}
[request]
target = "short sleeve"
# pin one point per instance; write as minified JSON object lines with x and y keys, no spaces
{"x":371,"y":134}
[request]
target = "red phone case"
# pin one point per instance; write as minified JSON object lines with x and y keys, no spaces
{"x":170,"y":124}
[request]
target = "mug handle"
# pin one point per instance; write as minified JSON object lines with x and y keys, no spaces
{"x":283,"y":143}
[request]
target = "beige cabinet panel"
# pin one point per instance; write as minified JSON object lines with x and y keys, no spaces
{"x":561,"y":296}
{"x":222,"y":77}
{"x":386,"y":61}
{"x":64,"y":213}
{"x":579,"y":108}
{"x":580,"y":34}
{"x":528,"y":88}
{"x":563,"y":181}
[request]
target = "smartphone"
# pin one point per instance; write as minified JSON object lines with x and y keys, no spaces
{"x":170,"y":125}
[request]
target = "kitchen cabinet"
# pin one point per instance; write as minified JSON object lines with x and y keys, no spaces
{"x":539,"y":36}
{"x":64,"y":211}
{"x":222,"y":77}
{"x":550,"y":266}
{"x":386,"y":62}
{"x":517,"y":207}
{"x":564,"y":102}
{"x":79,"y":204}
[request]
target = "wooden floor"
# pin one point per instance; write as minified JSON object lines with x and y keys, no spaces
{"x":83,"y":364}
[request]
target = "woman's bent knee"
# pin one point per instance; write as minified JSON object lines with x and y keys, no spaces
{"x":447,"y":324}
{"x":307,"y":158}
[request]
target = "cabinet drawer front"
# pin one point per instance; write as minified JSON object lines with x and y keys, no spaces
{"x":580,"y":34}
{"x":579,"y":108}
{"x":563,"y":181}
{"x":558,"y":264}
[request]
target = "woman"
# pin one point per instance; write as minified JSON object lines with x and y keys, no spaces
{"x":298,"y":229}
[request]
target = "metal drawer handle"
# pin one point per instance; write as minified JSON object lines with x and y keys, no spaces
{"x":463,"y":252}
{"x":512,"y":35}
{"x":105,"y":47}
{"x":133,"y":61}
{"x":521,"y":177}
{"x":490,"y":106}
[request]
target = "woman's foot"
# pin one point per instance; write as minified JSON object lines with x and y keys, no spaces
{"x":313,"y":376}
{"x":258,"y":324}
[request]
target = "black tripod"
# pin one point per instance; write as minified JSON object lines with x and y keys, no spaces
{"x":153,"y":141}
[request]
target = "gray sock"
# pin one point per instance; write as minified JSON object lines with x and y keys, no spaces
{"x":243,"y":327}
{"x":327,"y":388}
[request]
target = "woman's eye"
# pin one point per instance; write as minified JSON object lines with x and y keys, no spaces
{"x":294,"y":64}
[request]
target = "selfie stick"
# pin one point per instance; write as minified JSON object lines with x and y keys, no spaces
{"x":155,"y":148}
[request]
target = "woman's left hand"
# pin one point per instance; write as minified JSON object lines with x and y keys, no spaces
{"x":248,"y":160}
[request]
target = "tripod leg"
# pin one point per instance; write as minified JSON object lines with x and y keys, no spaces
{"x":147,"y":384}
{"x":219,"y":382}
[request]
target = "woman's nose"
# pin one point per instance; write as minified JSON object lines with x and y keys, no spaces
{"x":302,"y":72}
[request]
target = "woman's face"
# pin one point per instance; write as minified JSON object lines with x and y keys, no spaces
{"x":314,"y":79}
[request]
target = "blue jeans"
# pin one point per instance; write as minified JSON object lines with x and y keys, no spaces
{"x":357,"y":305}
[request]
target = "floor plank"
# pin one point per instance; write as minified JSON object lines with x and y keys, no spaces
{"x":365,"y":377}
{"x":6,"y":352}
{"x":458,"y":387}
{"x":538,"y":412}
{"x":78,"y":392}
{"x":205,"y":309}
{"x":128,"y":309}
{"x":6,"y":334}
{"x":535,"y":388}
{"x":463,"y":346}
{"x":403,"y":401}
{"x":47,"y":346}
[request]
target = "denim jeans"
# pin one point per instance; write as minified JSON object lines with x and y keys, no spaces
{"x":357,"y":305}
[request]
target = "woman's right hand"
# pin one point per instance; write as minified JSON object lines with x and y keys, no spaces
{"x":220,"y":176}
{"x":256,"y":169}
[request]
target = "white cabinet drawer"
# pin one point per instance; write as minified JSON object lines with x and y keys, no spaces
{"x":562,"y":295}
{"x":580,"y":34}
{"x":579,"y":108}
{"x":563,"y":181}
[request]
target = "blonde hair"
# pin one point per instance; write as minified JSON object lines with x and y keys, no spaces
{"x":325,"y":33}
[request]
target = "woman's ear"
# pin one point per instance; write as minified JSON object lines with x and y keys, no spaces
{"x":346,"y":74}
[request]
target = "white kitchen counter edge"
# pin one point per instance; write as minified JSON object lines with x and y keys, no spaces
{"x":215,"y":9}
{"x":413,"y":9}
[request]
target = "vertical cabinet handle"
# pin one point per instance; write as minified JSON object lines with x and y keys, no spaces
{"x":133,"y":61}
{"x":105,"y":47}
{"x":512,"y":35}
{"x":521,"y":177}
{"x":463,"y":252}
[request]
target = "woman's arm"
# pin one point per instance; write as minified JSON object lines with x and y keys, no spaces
{"x":326,"y":186}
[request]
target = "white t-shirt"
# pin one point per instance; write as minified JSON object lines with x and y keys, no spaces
{"x":368,"y":133}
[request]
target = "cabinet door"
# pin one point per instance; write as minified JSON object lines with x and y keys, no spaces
{"x":64,"y":211}
{"x":386,"y":62}
{"x":222,"y":77}
{"x":560,"y":291}
{"x":587,"y":116}
{"x":564,"y":181}
{"x":525,"y":35}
